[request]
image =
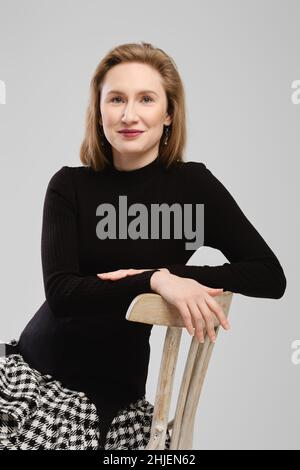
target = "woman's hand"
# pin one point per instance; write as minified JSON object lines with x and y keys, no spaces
{"x":193,"y":300}
{"x":120,"y":273}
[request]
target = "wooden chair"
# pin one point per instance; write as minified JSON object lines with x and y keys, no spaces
{"x":154,"y":310}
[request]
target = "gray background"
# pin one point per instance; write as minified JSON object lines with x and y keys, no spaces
{"x":237,"y":60}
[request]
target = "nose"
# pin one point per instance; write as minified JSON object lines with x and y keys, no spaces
{"x":129,"y":114}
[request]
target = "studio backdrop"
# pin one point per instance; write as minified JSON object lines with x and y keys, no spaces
{"x":239,"y":63}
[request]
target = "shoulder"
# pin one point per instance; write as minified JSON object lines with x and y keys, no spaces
{"x":199,"y":177}
{"x":66,"y":174}
{"x":66,"y":171}
{"x":61,"y":186}
{"x":196,"y":172}
{"x":58,"y":177}
{"x":192,"y":174}
{"x":191,"y":167}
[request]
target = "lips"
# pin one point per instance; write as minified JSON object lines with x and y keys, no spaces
{"x":131,"y":132}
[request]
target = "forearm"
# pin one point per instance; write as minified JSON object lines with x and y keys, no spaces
{"x":256,"y":278}
{"x":74,"y":295}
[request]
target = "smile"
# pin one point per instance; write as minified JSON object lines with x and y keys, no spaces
{"x":129,"y":135}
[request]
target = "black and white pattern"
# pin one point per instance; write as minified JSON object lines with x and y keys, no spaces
{"x":130,"y":429}
{"x":38,"y":413}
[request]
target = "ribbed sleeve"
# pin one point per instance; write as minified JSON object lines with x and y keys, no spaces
{"x":67,"y":292}
{"x":254,"y":270}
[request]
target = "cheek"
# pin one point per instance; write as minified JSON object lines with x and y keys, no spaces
{"x":154,"y":119}
{"x":110,"y":116}
{"x":110,"y":121}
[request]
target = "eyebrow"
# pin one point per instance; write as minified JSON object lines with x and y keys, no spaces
{"x":139,"y":93}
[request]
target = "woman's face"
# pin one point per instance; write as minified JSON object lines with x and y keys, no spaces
{"x":133,"y":97}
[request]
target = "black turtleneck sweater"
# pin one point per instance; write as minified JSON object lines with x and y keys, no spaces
{"x":80,"y":334}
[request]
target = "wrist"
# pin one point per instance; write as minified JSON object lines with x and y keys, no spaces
{"x":157,"y":278}
{"x":164,"y":270}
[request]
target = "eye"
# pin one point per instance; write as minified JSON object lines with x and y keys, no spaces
{"x":115,"y":97}
{"x":146,"y":96}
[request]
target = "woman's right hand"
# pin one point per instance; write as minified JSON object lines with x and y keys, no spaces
{"x":193,"y":300}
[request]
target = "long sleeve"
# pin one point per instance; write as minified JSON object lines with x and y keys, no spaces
{"x":67,"y":291}
{"x":254,"y":270}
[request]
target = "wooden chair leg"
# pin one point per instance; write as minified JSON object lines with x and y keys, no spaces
{"x":196,"y":383}
{"x":164,"y":389}
{"x":184,"y":389}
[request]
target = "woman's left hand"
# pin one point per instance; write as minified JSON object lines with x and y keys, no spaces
{"x":120,"y":273}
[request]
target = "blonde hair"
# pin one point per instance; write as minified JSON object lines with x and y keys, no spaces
{"x":98,"y":156}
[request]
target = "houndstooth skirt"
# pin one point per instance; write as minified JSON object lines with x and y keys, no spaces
{"x":38,"y":412}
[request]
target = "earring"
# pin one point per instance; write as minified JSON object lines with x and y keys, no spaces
{"x":167,"y":135}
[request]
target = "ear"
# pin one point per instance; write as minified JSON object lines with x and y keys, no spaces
{"x":168,"y":120}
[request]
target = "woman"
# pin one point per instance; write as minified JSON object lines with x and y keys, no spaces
{"x":98,"y":253}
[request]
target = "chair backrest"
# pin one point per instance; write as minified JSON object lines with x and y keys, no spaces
{"x":154,"y":310}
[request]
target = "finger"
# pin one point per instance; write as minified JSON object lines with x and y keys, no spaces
{"x":113,"y":275}
{"x":207,"y":315}
{"x":120,"y":274}
{"x":109,"y":273}
{"x":213,"y":291}
{"x":216,"y":293}
{"x":198,"y":321}
{"x":130,"y":272}
{"x":118,"y":271}
{"x":110,"y":277}
{"x":186,"y":316}
{"x":104,"y":275}
{"x":137,"y":271}
{"x":213,"y":305}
